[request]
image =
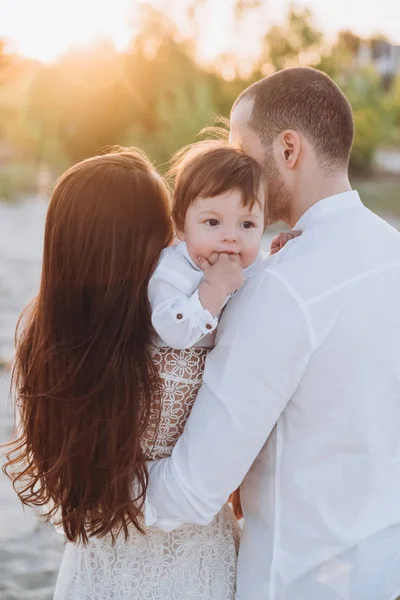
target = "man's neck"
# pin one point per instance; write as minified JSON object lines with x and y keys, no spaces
{"x":309,"y":195}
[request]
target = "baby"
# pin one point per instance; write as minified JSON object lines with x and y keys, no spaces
{"x":220,"y":216}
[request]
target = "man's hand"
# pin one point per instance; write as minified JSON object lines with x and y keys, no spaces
{"x":234,"y":499}
{"x":223,"y":275}
{"x":280,"y":240}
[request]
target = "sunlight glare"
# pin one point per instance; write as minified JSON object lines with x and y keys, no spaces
{"x":44,"y":29}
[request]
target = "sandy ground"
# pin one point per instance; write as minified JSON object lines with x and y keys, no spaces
{"x":30,"y":553}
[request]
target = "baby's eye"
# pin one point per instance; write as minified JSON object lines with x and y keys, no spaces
{"x":212,"y":222}
{"x":247,"y":224}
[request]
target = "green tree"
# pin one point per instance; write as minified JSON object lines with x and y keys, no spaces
{"x":340,"y":58}
{"x":297,"y":41}
{"x":373,"y":122}
{"x":393,"y":108}
{"x":174,"y":100}
{"x":82,"y":102}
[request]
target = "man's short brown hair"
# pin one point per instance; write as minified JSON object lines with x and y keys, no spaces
{"x":305,"y":100}
{"x":211,"y":168}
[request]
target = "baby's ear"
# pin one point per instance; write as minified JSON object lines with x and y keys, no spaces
{"x":180,"y":235}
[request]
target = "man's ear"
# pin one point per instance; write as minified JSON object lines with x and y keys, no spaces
{"x":287,"y":147}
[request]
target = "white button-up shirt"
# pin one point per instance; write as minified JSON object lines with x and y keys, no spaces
{"x":302,"y":393}
{"x":178,"y":317}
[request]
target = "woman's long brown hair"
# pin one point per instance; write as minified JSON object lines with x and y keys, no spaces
{"x":84,"y":379}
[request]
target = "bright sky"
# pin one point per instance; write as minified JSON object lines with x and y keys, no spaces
{"x":44,"y":29}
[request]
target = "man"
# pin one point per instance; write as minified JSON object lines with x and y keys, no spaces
{"x":301,"y":396}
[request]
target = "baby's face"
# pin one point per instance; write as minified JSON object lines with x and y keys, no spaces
{"x":223,"y":224}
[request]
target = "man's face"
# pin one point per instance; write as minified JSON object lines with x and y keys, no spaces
{"x":242,"y":135}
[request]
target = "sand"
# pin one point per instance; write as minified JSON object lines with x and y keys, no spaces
{"x":30,"y":553}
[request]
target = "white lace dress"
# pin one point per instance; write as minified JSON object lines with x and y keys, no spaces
{"x":190,"y":563}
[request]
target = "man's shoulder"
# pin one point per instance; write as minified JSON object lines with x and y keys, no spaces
{"x":333,"y":252}
{"x":302,"y":266}
{"x":285,"y":262}
{"x":271,"y":272}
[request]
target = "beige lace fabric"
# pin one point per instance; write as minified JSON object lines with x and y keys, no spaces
{"x":190,"y":563}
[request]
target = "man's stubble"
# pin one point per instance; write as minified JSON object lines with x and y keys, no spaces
{"x":278,"y":196}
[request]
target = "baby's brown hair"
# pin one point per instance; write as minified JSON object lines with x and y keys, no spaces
{"x":210,"y":168}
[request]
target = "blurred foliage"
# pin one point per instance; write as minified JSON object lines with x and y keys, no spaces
{"x":157,"y":96}
{"x":373,"y":121}
{"x":293,"y":43}
{"x":380,"y":194}
{"x":81,"y":101}
{"x":393,"y":102}
{"x":18,"y":179}
{"x":175,"y":98}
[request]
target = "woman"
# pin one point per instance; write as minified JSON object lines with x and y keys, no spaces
{"x":92,"y":407}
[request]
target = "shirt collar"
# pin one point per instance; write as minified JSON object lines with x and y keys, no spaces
{"x":182,"y":249}
{"x":328,"y":206}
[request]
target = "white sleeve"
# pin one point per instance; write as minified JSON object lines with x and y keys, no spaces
{"x":250,"y":376}
{"x":178,"y":317}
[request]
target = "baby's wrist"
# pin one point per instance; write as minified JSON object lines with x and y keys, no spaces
{"x":212,"y":296}
{"x":217,"y":288}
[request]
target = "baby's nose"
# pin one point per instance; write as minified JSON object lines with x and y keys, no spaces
{"x":229,"y":234}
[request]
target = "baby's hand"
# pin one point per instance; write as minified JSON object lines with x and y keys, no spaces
{"x":221,"y":278}
{"x":224,"y":273}
{"x":280,"y":240}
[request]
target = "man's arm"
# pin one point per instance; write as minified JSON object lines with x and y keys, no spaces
{"x":261,"y":354}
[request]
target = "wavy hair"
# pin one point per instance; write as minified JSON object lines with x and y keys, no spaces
{"x":84,"y":378}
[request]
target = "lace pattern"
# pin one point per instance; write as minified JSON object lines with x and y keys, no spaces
{"x":181,"y":372}
{"x":191,"y":562}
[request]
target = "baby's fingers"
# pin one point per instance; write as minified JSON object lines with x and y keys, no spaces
{"x":203,"y":263}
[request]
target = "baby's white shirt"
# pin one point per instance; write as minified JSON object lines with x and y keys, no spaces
{"x":178,"y":317}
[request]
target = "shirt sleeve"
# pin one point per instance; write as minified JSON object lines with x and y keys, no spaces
{"x":262,"y":351}
{"x":178,"y":317}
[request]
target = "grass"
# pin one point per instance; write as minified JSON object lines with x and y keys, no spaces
{"x":18,"y":180}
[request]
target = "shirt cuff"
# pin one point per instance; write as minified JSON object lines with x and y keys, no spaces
{"x":151,"y":516}
{"x":193,"y":309}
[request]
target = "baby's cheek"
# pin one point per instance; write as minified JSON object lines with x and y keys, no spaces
{"x":206,"y":245}
{"x":250,"y":254}
{"x":198,"y":248}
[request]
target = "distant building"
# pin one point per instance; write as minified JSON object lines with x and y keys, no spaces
{"x":385,"y":57}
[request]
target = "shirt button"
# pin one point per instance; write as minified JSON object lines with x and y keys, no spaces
{"x":179,"y":316}
{"x":208,"y":326}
